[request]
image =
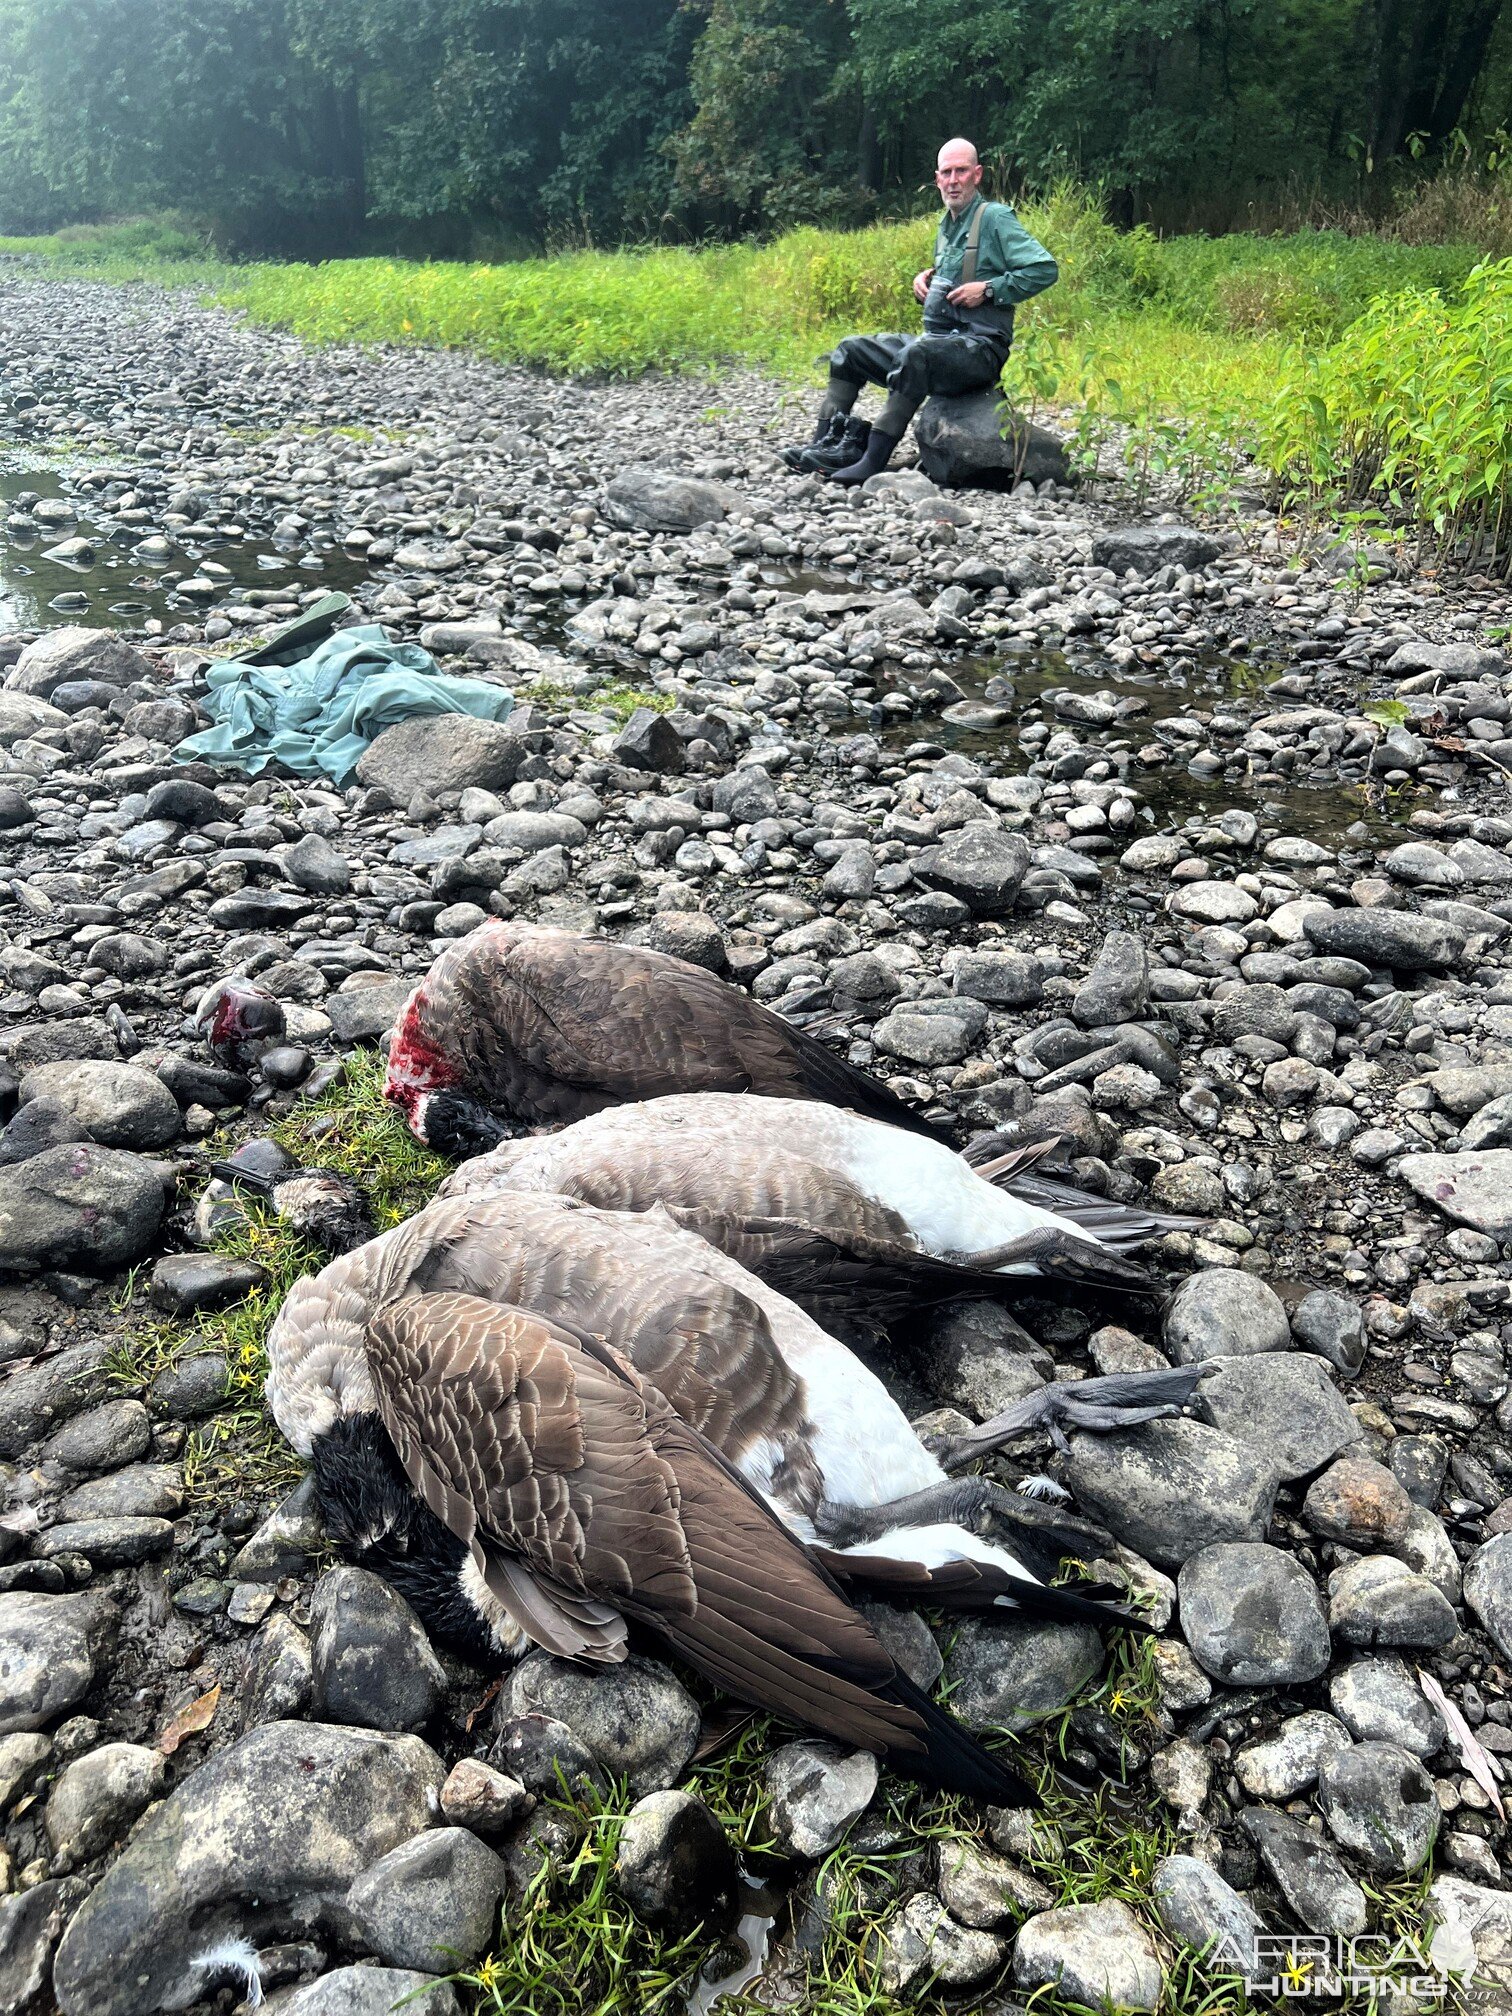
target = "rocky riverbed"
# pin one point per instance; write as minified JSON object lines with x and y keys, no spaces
{"x":1190,"y":846}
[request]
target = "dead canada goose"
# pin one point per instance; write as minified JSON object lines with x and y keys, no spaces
{"x":538,"y":1027}
{"x":794,"y":1412}
{"x":529,"y":1462}
{"x":845,"y":1213}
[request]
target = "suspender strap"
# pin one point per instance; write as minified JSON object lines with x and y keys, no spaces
{"x":974,"y":232}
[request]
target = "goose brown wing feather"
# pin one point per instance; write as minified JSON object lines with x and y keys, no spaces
{"x":550,"y":1027}
{"x":644,"y":1512}
{"x":706,"y":1345}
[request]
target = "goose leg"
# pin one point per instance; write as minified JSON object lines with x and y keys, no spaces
{"x":1115,"y":1400}
{"x":1040,"y":1535}
{"x":1064,"y":1257}
{"x":954,"y":1501}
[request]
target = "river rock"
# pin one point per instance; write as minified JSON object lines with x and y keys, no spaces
{"x":1379,"y":1701}
{"x":814,"y":1791}
{"x":636,"y":1718}
{"x":1170,"y":1488}
{"x":981,"y":865}
{"x":48,"y":1651}
{"x":78,"y":1206}
{"x":1148,"y":548}
{"x":1379,"y":1802}
{"x":442,"y":752}
{"x":1223,"y":1313}
{"x":430,"y":1903}
{"x":1007,"y":1674}
{"x":1097,"y":1954}
{"x":119,"y":1105}
{"x":262,"y":1842}
{"x":369,"y":1991}
{"x":72,"y":653}
{"x":1488,"y":1589}
{"x":674,"y":1865}
{"x":1287,"y":1407}
{"x":372,"y":1662}
{"x":1197,"y":1907}
{"x":1252,"y":1616}
{"x":1398,"y":938}
{"x":654,"y":500}
{"x":97,"y":1797}
{"x":1380,"y":1601}
{"x":1309,"y":1875}
{"x":1472,"y":1189}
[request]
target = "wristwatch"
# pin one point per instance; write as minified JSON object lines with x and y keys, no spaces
{"x":989,"y":295}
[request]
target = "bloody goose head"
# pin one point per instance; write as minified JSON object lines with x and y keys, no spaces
{"x":239,"y":1022}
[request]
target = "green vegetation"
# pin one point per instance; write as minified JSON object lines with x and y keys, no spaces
{"x":238,"y":1450}
{"x":1369,"y":378}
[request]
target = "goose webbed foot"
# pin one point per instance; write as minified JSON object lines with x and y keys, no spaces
{"x":1116,"y":1400}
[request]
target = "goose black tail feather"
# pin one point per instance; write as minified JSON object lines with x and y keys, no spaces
{"x":976,"y":1585}
{"x":831,"y":1079}
{"x":952,"y":1758}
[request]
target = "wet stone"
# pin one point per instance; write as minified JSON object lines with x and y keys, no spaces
{"x":1287,"y":1407}
{"x":193,"y":1387}
{"x":372,"y":1663}
{"x":1379,"y":1701}
{"x":636,"y":1718}
{"x":1094,"y":1954}
{"x":814,"y":1792}
{"x":1005,"y":1675}
{"x":1380,"y":1601}
{"x":1280,"y":1766}
{"x":674,"y":1865}
{"x":430,"y":1903}
{"x":102,"y":1438}
{"x":1308,"y":1873}
{"x":1252,"y":1616}
{"x":1379,"y":1802}
{"x":184,"y":1282}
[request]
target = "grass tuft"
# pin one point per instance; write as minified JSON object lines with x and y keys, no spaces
{"x":238,"y":1452}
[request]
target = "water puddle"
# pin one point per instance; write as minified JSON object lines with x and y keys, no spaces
{"x":746,"y":1949}
{"x":1104,"y":704}
{"x":109,"y":577}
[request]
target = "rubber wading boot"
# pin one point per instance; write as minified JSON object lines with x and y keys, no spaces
{"x":879,"y":452}
{"x":829,"y":432}
{"x":836,"y":454}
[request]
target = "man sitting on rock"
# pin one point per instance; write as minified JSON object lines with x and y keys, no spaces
{"x":985,"y":263}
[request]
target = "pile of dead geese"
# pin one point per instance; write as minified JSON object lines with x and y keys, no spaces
{"x":606,"y":1379}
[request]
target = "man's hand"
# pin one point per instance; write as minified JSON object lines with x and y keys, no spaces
{"x":921,"y":283}
{"x":971,"y":295}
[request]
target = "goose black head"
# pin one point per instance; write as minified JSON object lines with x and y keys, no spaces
{"x":324,"y":1205}
{"x":372,"y":1515}
{"x":455,"y":1126}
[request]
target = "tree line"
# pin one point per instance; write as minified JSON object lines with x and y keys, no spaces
{"x":483,"y":127}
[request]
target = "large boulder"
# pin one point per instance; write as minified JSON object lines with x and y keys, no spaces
{"x":1148,"y":548}
{"x":262,"y":1843}
{"x":654,"y":500}
{"x":61,"y":655}
{"x":977,"y":439}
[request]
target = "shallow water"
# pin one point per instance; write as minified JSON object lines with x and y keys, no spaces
{"x":1195,"y":683}
{"x":119,"y":590}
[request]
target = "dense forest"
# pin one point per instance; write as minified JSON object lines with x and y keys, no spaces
{"x":486,"y":126}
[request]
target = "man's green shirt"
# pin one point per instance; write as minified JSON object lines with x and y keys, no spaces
{"x":1015,"y":263}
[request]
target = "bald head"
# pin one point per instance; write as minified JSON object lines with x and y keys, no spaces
{"x":958,"y":174}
